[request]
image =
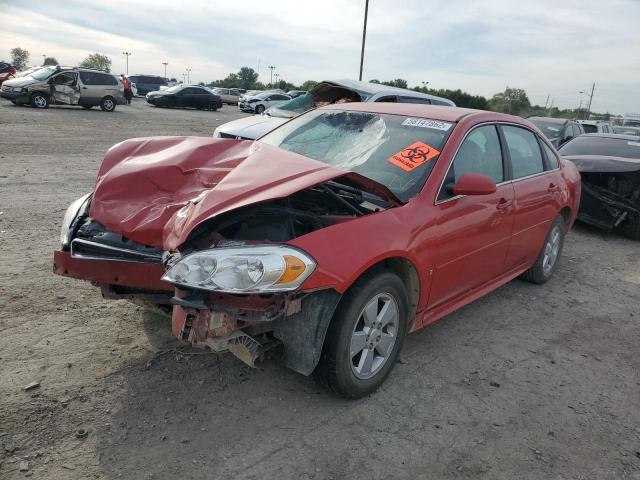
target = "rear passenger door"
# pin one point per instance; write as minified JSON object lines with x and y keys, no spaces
{"x":536,"y":187}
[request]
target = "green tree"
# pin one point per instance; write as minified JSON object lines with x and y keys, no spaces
{"x":398,"y":82}
{"x":308,"y":85}
{"x":19,"y":58}
{"x":460,"y":98}
{"x":512,"y":100}
{"x":247,"y":77}
{"x":97,"y":61}
{"x":50,"y":61}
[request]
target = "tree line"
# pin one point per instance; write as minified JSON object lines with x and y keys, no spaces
{"x":512,"y":100}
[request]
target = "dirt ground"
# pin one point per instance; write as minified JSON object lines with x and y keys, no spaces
{"x":531,"y":382}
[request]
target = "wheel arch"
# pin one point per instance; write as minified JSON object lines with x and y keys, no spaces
{"x":408,"y":273}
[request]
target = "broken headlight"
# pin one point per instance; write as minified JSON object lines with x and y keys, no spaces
{"x":78,"y":208}
{"x":253,"y":269}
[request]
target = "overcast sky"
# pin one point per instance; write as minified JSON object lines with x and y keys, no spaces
{"x":545,"y":47}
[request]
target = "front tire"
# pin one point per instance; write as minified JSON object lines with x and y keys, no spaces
{"x":39,"y":100}
{"x":547,"y":262}
{"x":365,"y":336}
{"x":259,"y":109}
{"x":108,"y":104}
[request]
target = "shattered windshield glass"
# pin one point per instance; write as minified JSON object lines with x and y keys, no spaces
{"x":396,"y":151}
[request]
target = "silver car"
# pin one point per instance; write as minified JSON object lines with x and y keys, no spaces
{"x":262,"y":101}
{"x":334,"y":91}
{"x":228,"y":95}
{"x":65,"y":86}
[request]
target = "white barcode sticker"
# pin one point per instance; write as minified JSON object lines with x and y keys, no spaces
{"x":427,"y":123}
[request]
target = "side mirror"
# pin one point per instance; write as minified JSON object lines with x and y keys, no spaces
{"x":474,"y":184}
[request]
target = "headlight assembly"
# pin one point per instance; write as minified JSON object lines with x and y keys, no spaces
{"x":251,"y":269}
{"x":77,"y":208}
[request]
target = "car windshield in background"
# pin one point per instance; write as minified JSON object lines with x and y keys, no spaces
{"x":173,"y":89}
{"x":550,"y":129}
{"x":293,"y":107}
{"x":589,"y":128}
{"x":602,"y":146}
{"x":396,"y":151}
{"x":43,"y":73}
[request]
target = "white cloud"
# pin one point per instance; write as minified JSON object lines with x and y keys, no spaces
{"x":544,"y":46}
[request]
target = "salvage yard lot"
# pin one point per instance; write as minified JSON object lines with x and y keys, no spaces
{"x":529,"y":382}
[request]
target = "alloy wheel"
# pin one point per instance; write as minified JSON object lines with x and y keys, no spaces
{"x":551,"y":250}
{"x":374,"y":336}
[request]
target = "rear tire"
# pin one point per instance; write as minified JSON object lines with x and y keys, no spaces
{"x":108,"y":104}
{"x":259,"y":109}
{"x":39,"y":100}
{"x":547,"y":262}
{"x":365,"y":336}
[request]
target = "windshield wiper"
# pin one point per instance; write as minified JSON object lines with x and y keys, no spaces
{"x":361,"y":195}
{"x":329,"y":188}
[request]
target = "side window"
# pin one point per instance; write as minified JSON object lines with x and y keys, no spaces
{"x":87,"y":78}
{"x":269,"y":98}
{"x":479,"y":153}
{"x":524,"y":150}
{"x":66,"y":78}
{"x":576,"y":130}
{"x":414,"y":100}
{"x":106,"y":79}
{"x":391,"y":98}
{"x":552,"y":158}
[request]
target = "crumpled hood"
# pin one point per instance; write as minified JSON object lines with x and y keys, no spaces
{"x":21,"y":82}
{"x":156,"y":190}
{"x":251,"y":127}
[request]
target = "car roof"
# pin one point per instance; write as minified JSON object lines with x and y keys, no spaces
{"x":612,"y":135}
{"x":435,"y":112}
{"x":550,"y":119}
{"x":369,"y":89}
{"x":592,"y":122}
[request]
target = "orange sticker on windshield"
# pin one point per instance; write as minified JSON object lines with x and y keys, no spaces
{"x":413,"y":156}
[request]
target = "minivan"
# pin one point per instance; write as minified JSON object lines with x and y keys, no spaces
{"x":147,"y":83}
{"x":65,"y":86}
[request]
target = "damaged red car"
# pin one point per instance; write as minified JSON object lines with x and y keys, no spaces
{"x":333,"y":235}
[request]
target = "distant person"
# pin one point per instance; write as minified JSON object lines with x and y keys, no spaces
{"x":128,"y":94}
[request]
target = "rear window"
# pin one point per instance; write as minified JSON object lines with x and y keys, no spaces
{"x":551,"y":130}
{"x":590,"y":128}
{"x":609,"y":147}
{"x":394,"y":150}
{"x":96,"y":78}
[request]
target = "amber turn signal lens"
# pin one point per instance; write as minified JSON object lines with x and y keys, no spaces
{"x":294,"y":267}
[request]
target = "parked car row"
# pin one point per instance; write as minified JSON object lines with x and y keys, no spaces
{"x":277,"y":110}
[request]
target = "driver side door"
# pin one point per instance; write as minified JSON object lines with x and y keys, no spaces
{"x":473,"y":232}
{"x":65,"y":88}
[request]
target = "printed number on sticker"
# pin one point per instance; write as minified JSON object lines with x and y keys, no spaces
{"x":425,"y":123}
{"x":413,"y":156}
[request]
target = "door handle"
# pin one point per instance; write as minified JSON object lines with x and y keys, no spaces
{"x":553,"y":188}
{"x":504,"y":204}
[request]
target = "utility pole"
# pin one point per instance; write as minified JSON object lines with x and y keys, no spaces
{"x":364,"y":36}
{"x":272,"y":68}
{"x":547,"y":101}
{"x":127,"y":54}
{"x":165,"y":68}
{"x":189,"y":76}
{"x":593,"y":87}
{"x":277,"y":75}
{"x":550,"y":107}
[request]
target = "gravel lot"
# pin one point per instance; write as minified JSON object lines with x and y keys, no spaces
{"x":531,"y":382}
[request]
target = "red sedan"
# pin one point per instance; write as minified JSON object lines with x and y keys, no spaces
{"x":333,"y":235}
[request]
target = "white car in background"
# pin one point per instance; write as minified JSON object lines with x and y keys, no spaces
{"x":251,"y":128}
{"x":262,"y":101}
